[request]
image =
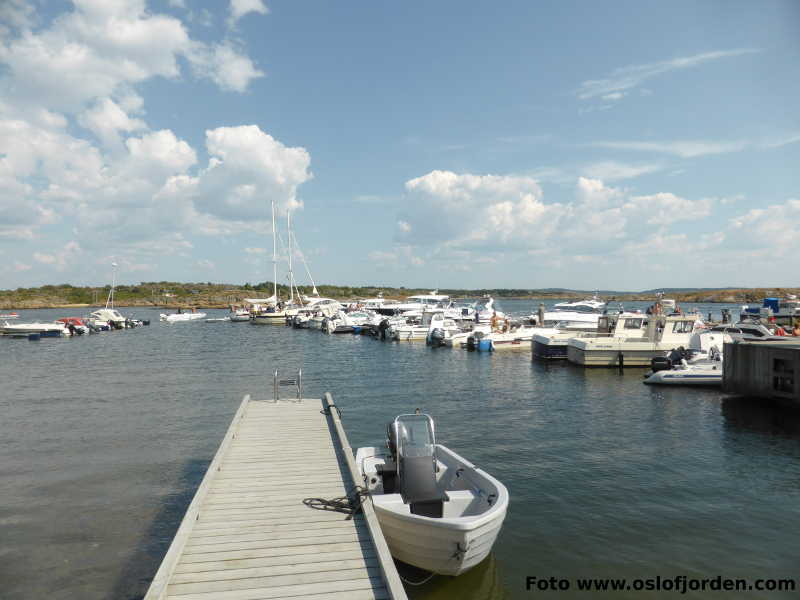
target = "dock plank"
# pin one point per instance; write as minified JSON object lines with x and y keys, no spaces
{"x":247,"y":534}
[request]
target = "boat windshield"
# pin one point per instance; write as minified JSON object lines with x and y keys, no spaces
{"x":414,"y":435}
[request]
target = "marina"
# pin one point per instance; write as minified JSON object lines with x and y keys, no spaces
{"x":104,"y":471}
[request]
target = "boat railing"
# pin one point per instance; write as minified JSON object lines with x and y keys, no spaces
{"x":296,"y":382}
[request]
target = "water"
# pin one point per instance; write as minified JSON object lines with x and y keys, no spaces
{"x":104,"y":439}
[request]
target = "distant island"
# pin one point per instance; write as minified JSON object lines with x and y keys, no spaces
{"x":172,"y":294}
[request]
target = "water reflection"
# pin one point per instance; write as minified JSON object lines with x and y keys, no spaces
{"x":482,"y":582}
{"x":760,"y":415}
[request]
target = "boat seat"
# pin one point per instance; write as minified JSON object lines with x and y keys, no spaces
{"x":418,"y":486}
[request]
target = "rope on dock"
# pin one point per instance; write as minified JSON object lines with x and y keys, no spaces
{"x":349,"y":505}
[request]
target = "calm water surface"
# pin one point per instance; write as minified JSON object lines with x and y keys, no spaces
{"x":104,"y":439}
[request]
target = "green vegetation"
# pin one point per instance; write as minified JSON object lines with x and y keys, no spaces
{"x":211,"y":295}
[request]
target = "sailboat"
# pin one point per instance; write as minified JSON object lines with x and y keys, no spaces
{"x":108,"y":315}
{"x":272,"y":310}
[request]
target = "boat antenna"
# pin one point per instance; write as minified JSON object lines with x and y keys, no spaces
{"x":274,"y":256}
{"x":110,"y":299}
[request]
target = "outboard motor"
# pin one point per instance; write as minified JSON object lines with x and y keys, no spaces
{"x":437,"y":337}
{"x":382,"y":327}
{"x":416,"y":465}
{"x":660,"y":363}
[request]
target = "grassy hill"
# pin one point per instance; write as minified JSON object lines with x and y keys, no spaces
{"x":220,"y":295}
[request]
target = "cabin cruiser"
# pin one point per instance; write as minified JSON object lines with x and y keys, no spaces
{"x":107,"y":316}
{"x":662,"y":333}
{"x":548,"y":344}
{"x":419,"y":302}
{"x":588,"y":305}
{"x":437,"y":510}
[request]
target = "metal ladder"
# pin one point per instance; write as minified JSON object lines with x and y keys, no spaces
{"x":297,"y":382}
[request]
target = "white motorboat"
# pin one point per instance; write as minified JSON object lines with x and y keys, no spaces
{"x":181,"y":317}
{"x":107,"y":316}
{"x":437,"y":510}
{"x":705,"y":372}
{"x":662,"y":334}
{"x":45,"y":329}
{"x":441,"y":328}
{"x":238,"y":314}
{"x":459,"y":340}
{"x":687,"y":367}
{"x":588,"y":305}
{"x":550,"y":345}
{"x":509,"y":337}
{"x":419,"y":302}
{"x":420,"y":328}
{"x":219,"y":320}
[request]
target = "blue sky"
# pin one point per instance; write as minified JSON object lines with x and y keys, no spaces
{"x":625,"y":145}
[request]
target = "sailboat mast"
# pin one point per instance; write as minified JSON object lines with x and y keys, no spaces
{"x":110,"y":299}
{"x":289,"y":240}
{"x":274,"y":256}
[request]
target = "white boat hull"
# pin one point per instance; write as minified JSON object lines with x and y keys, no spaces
{"x":609,"y":357}
{"x":471,"y":519}
{"x":436,"y":548}
{"x":179,"y":318}
{"x":270,"y":318}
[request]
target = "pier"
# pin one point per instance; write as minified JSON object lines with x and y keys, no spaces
{"x":247,"y":534}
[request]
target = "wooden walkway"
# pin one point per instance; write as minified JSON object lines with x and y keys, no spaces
{"x":247,"y":535}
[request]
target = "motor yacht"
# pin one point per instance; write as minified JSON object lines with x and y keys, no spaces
{"x":552,"y":343}
{"x":662,"y":333}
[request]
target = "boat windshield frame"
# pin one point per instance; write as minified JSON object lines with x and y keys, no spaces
{"x":415,"y":435}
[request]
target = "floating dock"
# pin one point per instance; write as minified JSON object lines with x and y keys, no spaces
{"x":247,"y":534}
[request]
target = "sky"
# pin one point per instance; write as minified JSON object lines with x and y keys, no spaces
{"x":621,"y":145}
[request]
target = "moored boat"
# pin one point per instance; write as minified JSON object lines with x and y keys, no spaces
{"x":437,"y":510}
{"x":182,"y":316}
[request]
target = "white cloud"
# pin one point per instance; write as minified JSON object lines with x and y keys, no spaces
{"x":614,"y":171}
{"x":460,"y":218}
{"x":249,"y":168}
{"x":627,"y":78}
{"x":106,"y":119}
{"x":206,"y":264}
{"x":231,"y":70}
{"x":255,"y":250}
{"x":684,"y":149}
{"x":62,"y":258}
{"x":239,"y":8}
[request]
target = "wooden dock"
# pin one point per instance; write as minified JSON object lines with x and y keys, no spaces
{"x":247,"y":534}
